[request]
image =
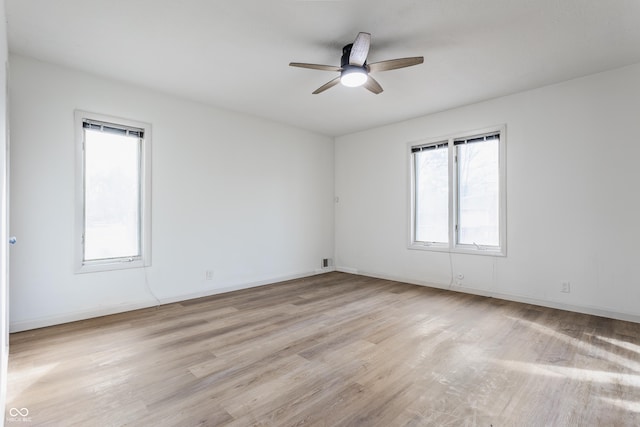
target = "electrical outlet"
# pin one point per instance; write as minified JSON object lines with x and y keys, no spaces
{"x":565,"y":287}
{"x":208,"y":275}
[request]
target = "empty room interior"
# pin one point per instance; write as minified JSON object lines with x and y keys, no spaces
{"x":323,"y":213}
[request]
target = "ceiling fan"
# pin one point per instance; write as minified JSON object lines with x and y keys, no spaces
{"x":354,"y":70}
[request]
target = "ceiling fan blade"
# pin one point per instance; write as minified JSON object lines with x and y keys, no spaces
{"x":372,"y":85}
{"x":315,"y":66}
{"x":360,"y":49}
{"x":394,"y":64}
{"x":327,"y":85}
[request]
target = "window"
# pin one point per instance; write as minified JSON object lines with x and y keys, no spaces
{"x":458,"y":193}
{"x":432,"y":193}
{"x":113,"y":193}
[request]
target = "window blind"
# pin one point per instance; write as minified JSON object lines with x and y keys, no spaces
{"x":111,"y":128}
{"x":477,"y":138}
{"x":429,"y":147}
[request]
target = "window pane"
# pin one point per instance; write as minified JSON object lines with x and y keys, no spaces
{"x":478,"y":193}
{"x":112,"y":195}
{"x":432,"y":195}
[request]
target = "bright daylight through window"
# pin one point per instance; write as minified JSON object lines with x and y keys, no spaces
{"x":458,"y":193}
{"x":113,"y":193}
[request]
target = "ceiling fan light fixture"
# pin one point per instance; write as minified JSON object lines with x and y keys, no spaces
{"x":353,"y":76}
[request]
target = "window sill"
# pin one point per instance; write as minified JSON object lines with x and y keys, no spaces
{"x":469,"y":250}
{"x":98,"y":266}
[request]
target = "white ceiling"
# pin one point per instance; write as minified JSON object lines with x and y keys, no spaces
{"x":234,"y":54}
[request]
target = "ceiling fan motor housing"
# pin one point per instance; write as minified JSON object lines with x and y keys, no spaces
{"x":346,"y":53}
{"x":351,"y":75}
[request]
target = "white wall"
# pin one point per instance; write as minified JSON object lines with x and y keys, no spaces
{"x":572,"y":197}
{"x":248,"y":198}
{"x":4,"y":257}
{"x":252,"y":199}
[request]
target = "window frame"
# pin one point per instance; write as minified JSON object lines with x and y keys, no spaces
{"x":144,"y":259}
{"x":452,"y":245}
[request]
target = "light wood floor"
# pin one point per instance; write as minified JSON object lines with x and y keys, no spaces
{"x":331,"y":350}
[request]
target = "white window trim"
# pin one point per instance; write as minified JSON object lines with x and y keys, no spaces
{"x":106,"y":265}
{"x":452,"y":246}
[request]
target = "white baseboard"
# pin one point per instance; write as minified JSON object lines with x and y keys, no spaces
{"x":105,"y":311}
{"x":42,"y":322}
{"x":240,"y":286}
{"x":323,"y":270}
{"x":593,"y":310}
{"x":349,"y":270}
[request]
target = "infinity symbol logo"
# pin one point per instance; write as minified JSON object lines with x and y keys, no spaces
{"x":14,"y":412}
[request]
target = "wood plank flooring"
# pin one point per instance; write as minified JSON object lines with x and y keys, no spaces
{"x":330,"y":350}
